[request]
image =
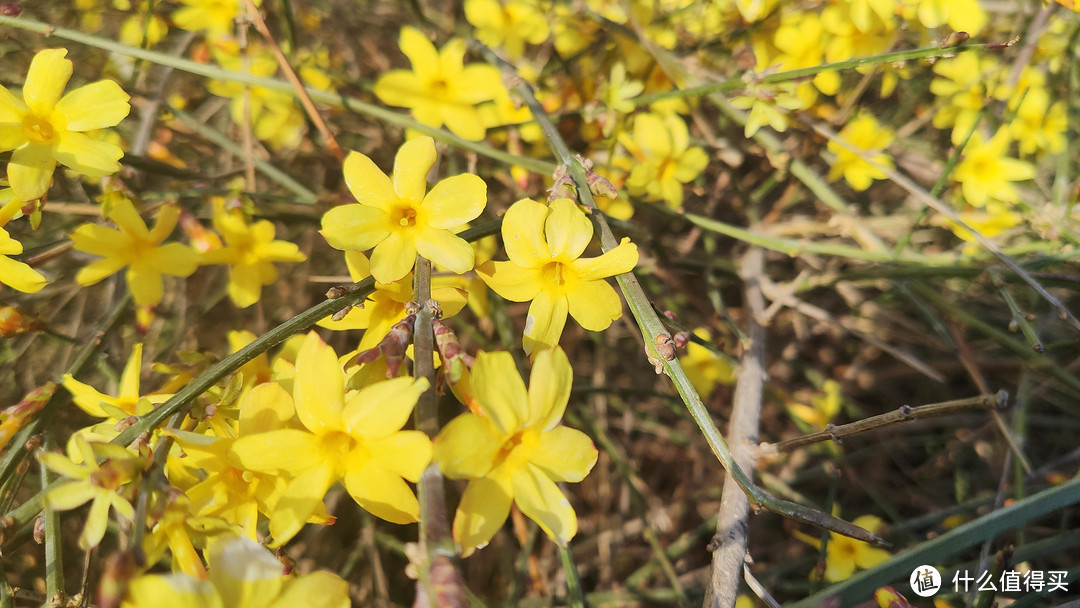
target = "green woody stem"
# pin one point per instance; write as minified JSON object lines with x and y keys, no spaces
{"x":654,"y":332}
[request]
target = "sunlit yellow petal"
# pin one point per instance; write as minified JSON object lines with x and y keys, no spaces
{"x":97,"y":105}
{"x":568,"y":230}
{"x":414,"y":160}
{"x":404,"y":453}
{"x":69,"y":495}
{"x":393,"y":258}
{"x":541,"y":501}
{"x":175,"y":259}
{"x":266,"y":407}
{"x":145,"y":285}
{"x":511,"y":281}
{"x":358,"y":227}
{"x":445,"y":249}
{"x":173,"y":590}
{"x":500,"y":390}
{"x":545,"y":321}
{"x":302,"y":497}
{"x":420,"y":51}
{"x":370,"y":186}
{"x":30,"y":171}
{"x":617,"y":261}
{"x":86,"y":155}
{"x":380,"y":409}
{"x":98,"y":270}
{"x":45,"y":81}
{"x":319,"y":386}
{"x":455,"y":201}
{"x":484,"y":508}
{"x":467,"y":446}
{"x":400,"y":88}
{"x":97,"y":522}
{"x":594,"y":305}
{"x":316,"y":590}
{"x":281,"y":452}
{"x":383,"y":494}
{"x":523,"y":234}
{"x":244,"y":572}
{"x":549,"y":388}
{"x":564,"y":454}
{"x":20,"y":276}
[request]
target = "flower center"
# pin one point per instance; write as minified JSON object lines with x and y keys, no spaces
{"x":440,"y":89}
{"x":553,"y":273}
{"x":38,"y":129}
{"x":404,"y":216}
{"x":516,"y":450}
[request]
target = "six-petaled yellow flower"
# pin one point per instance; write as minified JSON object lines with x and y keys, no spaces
{"x":355,"y":438}
{"x":865,"y":134}
{"x":440,"y":89}
{"x":136,"y":247}
{"x":544,"y":245}
{"x":986,"y":172}
{"x":516,"y":451}
{"x":400,"y":218}
{"x":46,"y":127}
{"x":665,"y":158}
{"x":250,"y":252}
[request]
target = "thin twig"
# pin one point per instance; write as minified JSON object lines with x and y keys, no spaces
{"x":905,"y":413}
{"x":290,"y":75}
{"x":732,"y":521}
{"x":654,"y":332}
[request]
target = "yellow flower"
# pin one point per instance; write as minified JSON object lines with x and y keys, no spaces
{"x":16,"y":274}
{"x":215,"y":17}
{"x":508,"y":25}
{"x":354,"y":438}
{"x":399,"y":220}
{"x":386,"y":305}
{"x":990,"y":221}
{"x":440,"y":89}
{"x":101,"y":484}
{"x":823,"y":407}
{"x":768,"y":106}
{"x":137,"y":248}
{"x":986,"y":174}
{"x":959,"y":15}
{"x":1038,"y":126}
{"x":44,"y":128}
{"x":127,"y":400}
{"x":865,"y":134}
{"x":544,"y":245}
{"x":242,"y":574}
{"x":801,"y":41}
{"x":963,"y":87}
{"x":665,"y":159}
{"x":250,"y":252}
{"x":616,"y":94}
{"x":705,"y":368}
{"x":843,"y":554}
{"x":515,"y":452}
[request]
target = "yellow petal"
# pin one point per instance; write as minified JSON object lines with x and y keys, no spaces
{"x":405,"y":453}
{"x":594,"y":305}
{"x":500,"y":390}
{"x":97,"y":521}
{"x":97,"y":105}
{"x":20,"y":276}
{"x":99,"y":240}
{"x":70,"y":495}
{"x":266,"y":407}
{"x":30,"y":171}
{"x":280,"y":452}
{"x":545,"y":321}
{"x":12,"y":108}
{"x":484,"y":508}
{"x":399,"y":88}
{"x":124,"y":215}
{"x":549,"y":388}
{"x":564,"y":454}
{"x":523,"y":234}
{"x":368,"y":184}
{"x":541,"y":501}
{"x":316,"y":590}
{"x":383,"y":494}
{"x":445,"y":249}
{"x":381,"y":409}
{"x":420,"y":51}
{"x":45,"y":82}
{"x":319,"y":386}
{"x":84,"y":396}
{"x":568,"y":230}
{"x":414,"y":160}
{"x":393,"y":258}
{"x":462,"y":120}
{"x":511,"y":281}
{"x":88,"y":156}
{"x":129,"y":379}
{"x":164,"y":224}
{"x":358,"y":265}
{"x":173,"y":590}
{"x":617,"y":261}
{"x":467,"y":446}
{"x":174,"y":259}
{"x":478,"y":83}
{"x":145,"y":285}
{"x":355,"y":227}
{"x":244,"y":572}
{"x":455,"y":201}
{"x":651,"y":134}
{"x":244,"y":285}
{"x":301,"y":499}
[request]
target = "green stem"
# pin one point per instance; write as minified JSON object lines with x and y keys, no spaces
{"x":652,"y":329}
{"x":738,"y":82}
{"x":329,"y":98}
{"x":54,"y":561}
{"x":575,"y":597}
